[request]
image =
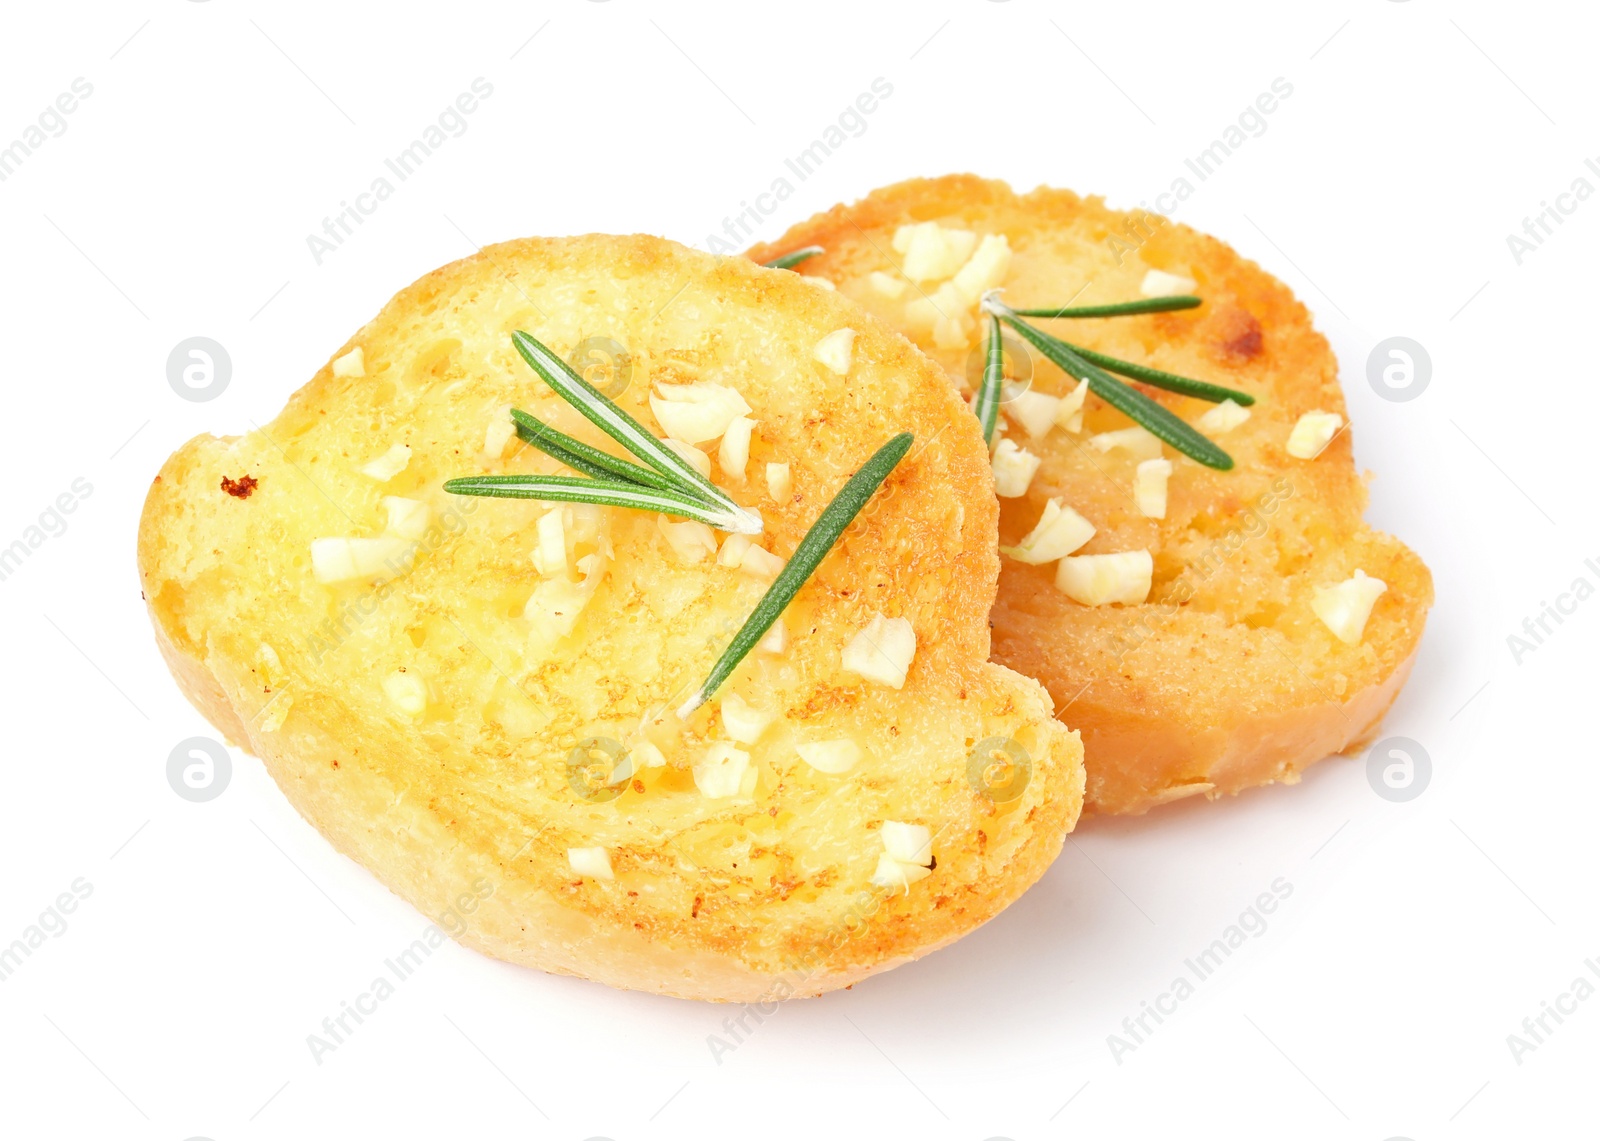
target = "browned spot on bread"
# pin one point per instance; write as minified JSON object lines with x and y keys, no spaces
{"x":239,"y":488}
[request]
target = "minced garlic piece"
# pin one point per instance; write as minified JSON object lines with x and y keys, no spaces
{"x":1059,"y":532}
{"x":691,"y":540}
{"x":758,"y":562}
{"x":388,"y":465}
{"x":775,"y":640}
{"x":882,"y":651}
{"x":743,"y":721}
{"x":407,"y":518}
{"x":406,"y":692}
{"x":945,"y":304}
{"x":340,"y":560}
{"x":986,"y":269}
{"x":720,"y":773}
{"x":1313,"y":432}
{"x":1069,"y":413}
{"x":1158,"y":283}
{"x":953,"y":330}
{"x":733,"y":549}
{"x":885,"y":285}
{"x":695,"y":413}
{"x":353,"y":363}
{"x":908,"y":843}
{"x":1150,"y":487}
{"x":734,"y":452}
{"x":779,"y":484}
{"x":555,"y":605}
{"x":697,"y":459}
{"x":1034,"y":411}
{"x":1345,"y":607}
{"x":1223,"y":417}
{"x":498,"y":434}
{"x":834,"y":350}
{"x":550,"y":556}
{"x":891,"y":873}
{"x":1136,"y":441}
{"x":592,"y":862}
{"x":933,"y":253}
{"x":1097,"y":580}
{"x":646,"y":755}
{"x":835,"y":757}
{"x":1014,"y":468}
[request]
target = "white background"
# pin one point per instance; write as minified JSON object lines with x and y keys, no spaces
{"x":218,"y":936}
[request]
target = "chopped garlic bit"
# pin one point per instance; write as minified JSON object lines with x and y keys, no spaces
{"x":340,"y":560}
{"x":407,"y":518}
{"x":758,"y":562}
{"x":985,"y":270}
{"x":352,"y":363}
{"x":1150,"y":487}
{"x":775,"y":640}
{"x":1097,"y":580}
{"x":388,"y":465}
{"x":1034,"y":412}
{"x":646,"y":755}
{"x":499,"y":432}
{"x":1345,"y":607}
{"x":556,"y":604}
{"x":743,"y":721}
{"x":945,"y":304}
{"x":733,"y":549}
{"x":691,"y":540}
{"x":1059,"y":532}
{"x":933,"y":253}
{"x":834,"y":350}
{"x":1161,"y":284}
{"x":550,"y":556}
{"x":407,"y":692}
{"x":891,"y":873}
{"x":1136,"y":441}
{"x":779,"y":484}
{"x":838,"y":756}
{"x":695,"y":413}
{"x":1223,"y":417}
{"x":882,"y":651}
{"x":953,"y":332}
{"x":1069,"y":413}
{"x":1313,"y":432}
{"x":734,"y":452}
{"x":908,"y":843}
{"x":697,"y":458}
{"x":885,"y":284}
{"x":1013,"y":470}
{"x":592,"y":862}
{"x":720,"y":773}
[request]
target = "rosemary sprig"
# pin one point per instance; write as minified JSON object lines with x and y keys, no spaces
{"x":1155,"y":419}
{"x":668,"y":485}
{"x":1120,"y":309}
{"x":818,"y":541}
{"x":987,"y":405}
{"x":628,"y":432}
{"x":793,"y":258}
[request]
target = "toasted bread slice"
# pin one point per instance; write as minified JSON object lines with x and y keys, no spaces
{"x":1225,"y":677}
{"x":432,"y":724}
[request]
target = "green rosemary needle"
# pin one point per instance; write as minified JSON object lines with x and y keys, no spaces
{"x":1170,"y":381}
{"x":818,"y":541}
{"x":1120,"y":309}
{"x":579,"y":456}
{"x":1154,"y":418}
{"x":987,"y":404}
{"x":793,"y":258}
{"x":578,"y":489}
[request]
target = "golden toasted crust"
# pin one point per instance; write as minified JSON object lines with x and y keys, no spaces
{"x":1225,"y":678}
{"x":468,"y":809}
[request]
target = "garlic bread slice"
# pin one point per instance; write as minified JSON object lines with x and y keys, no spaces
{"x":475,"y":697}
{"x":1216,"y":630}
